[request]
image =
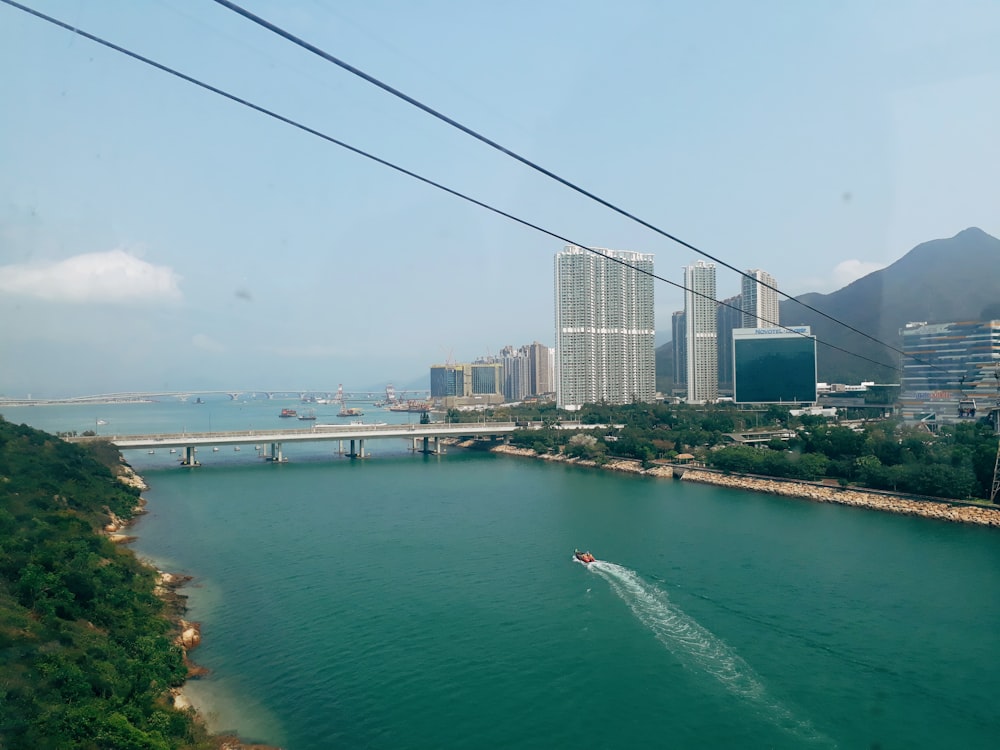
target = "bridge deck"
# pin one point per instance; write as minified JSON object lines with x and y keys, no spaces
{"x":318,"y":432}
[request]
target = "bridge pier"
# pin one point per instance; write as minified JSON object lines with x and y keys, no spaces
{"x":275,"y":454}
{"x":189,"y":457}
{"x":360,"y":452}
{"x":437,"y":450}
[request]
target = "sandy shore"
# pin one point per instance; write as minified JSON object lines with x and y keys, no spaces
{"x":888,"y":503}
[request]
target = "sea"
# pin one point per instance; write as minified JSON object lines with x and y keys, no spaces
{"x":432,"y":601}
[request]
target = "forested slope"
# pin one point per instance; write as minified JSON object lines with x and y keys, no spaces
{"x":86,"y":652}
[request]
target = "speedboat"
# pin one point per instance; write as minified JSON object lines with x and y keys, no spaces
{"x":584,"y":557}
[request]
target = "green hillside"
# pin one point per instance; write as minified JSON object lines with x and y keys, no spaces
{"x":86,"y":653}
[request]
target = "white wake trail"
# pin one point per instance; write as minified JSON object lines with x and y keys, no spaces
{"x":697,"y":648}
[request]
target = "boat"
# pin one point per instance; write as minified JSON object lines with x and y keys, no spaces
{"x":102,"y":421}
{"x":584,"y":557}
{"x":151,"y":452}
{"x":236,"y":448}
{"x":215,"y":449}
{"x":286,"y":413}
{"x":413,"y":405}
{"x":173,"y":450}
{"x":350,"y":411}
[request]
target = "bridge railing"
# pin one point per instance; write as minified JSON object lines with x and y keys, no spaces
{"x":318,"y":430}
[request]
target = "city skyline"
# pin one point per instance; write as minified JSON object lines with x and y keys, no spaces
{"x":156,"y":236}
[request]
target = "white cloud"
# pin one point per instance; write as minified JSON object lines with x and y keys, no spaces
{"x":115,"y":276}
{"x":848,"y":271}
{"x":207,"y":343}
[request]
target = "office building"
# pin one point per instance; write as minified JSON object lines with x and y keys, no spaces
{"x":760,"y":304}
{"x":604,"y":327}
{"x":475,"y":384}
{"x":774,"y":366}
{"x":701,"y":332}
{"x":949,"y":371}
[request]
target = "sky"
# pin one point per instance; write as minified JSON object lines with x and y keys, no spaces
{"x":154,"y":236}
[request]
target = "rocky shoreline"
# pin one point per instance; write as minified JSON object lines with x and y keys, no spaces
{"x":941,"y":510}
{"x":624,"y":465}
{"x":167,"y":589}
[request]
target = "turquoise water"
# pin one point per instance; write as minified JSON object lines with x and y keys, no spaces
{"x":424,"y":602}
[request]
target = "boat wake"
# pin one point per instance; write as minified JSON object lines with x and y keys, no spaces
{"x":698,"y":649}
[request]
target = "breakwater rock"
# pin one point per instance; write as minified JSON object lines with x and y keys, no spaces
{"x":625,"y":465}
{"x":941,"y":510}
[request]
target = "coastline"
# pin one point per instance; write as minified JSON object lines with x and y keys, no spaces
{"x":942,"y":510}
{"x":188,"y":634}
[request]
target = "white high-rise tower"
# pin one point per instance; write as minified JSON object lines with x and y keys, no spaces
{"x":701,"y":332}
{"x":760,"y":304}
{"x":604,"y":327}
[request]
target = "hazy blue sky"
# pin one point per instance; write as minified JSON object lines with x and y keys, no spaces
{"x":153,"y":235}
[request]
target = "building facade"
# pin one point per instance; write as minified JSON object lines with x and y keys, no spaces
{"x":541,"y":369}
{"x":774,"y":365}
{"x":478,"y":383}
{"x":605,"y":327}
{"x":678,"y":331}
{"x":760,"y":304}
{"x":516,"y":372}
{"x":949,"y":371}
{"x":730,"y":318}
{"x":701,"y":332}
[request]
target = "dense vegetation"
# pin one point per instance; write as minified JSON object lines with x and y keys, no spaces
{"x":956,"y":462}
{"x":86,"y":653}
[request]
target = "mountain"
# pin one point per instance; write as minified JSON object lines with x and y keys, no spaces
{"x":936,"y":282}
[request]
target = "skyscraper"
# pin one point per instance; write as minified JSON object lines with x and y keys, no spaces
{"x":730,"y":317}
{"x":541,"y":369}
{"x":760,"y":304}
{"x":604,"y":327}
{"x":678,"y":328}
{"x":701,"y":334}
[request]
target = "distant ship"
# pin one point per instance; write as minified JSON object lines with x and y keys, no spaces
{"x":308,"y":416}
{"x":412,"y":405}
{"x":350,"y":411}
{"x":288,"y":413}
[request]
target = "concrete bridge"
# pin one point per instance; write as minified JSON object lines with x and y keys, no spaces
{"x":424,"y":437}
